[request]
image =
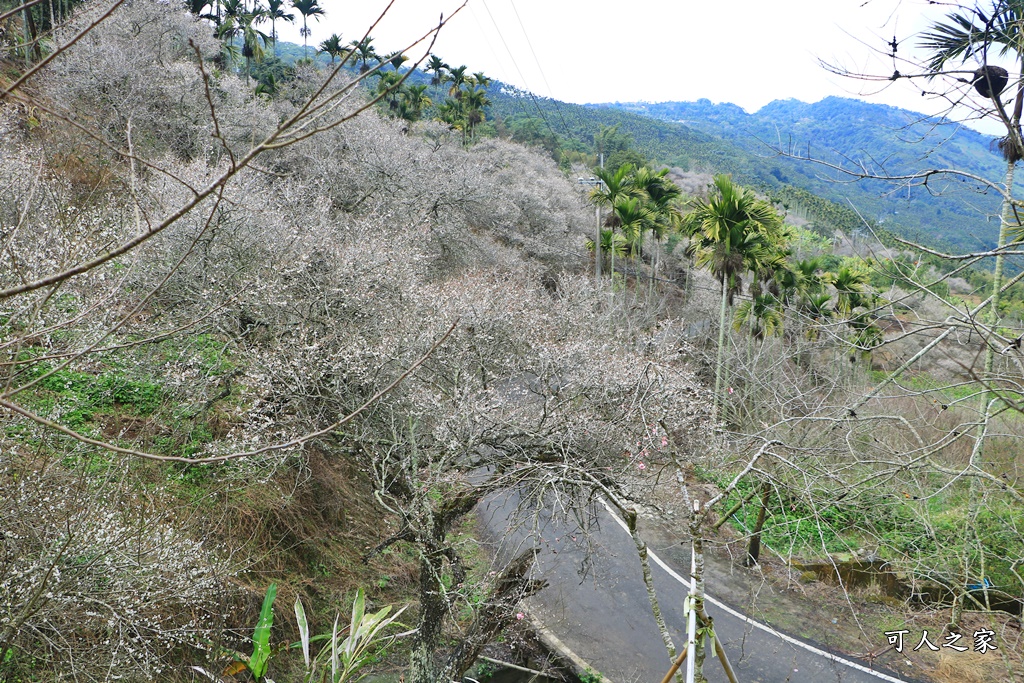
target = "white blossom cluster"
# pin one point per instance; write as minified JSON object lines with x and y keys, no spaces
{"x":96,"y":581}
{"x":135,"y":70}
{"x":322,"y":271}
{"x":337,"y":269}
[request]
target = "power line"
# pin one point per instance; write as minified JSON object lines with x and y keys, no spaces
{"x":540,"y":68}
{"x":490,"y":45}
{"x":501,"y":65}
{"x":518,"y":70}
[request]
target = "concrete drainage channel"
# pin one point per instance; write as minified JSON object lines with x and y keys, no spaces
{"x":563,"y":655}
{"x":573,"y":661}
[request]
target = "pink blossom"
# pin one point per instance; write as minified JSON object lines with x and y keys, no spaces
{"x":730,"y":390}
{"x":664,"y":441}
{"x":520,"y":616}
{"x":641,"y":466}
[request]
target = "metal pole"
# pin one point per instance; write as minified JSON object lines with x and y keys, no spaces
{"x":691,"y":623}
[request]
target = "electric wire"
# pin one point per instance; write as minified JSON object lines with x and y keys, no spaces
{"x":551,"y":92}
{"x":501,"y":64}
{"x":518,"y":70}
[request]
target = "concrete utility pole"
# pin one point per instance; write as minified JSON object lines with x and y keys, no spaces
{"x":598,"y":256}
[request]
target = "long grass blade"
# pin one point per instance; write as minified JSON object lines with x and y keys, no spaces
{"x":261,"y":635}
{"x":300,"y":619}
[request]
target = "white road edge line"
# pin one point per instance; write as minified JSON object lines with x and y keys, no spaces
{"x":756,"y":624}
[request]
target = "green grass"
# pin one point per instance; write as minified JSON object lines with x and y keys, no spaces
{"x":87,"y":394}
{"x":793,"y":523}
{"x":87,"y":399}
{"x":211,"y":353}
{"x":924,"y":382}
{"x":942,"y":531}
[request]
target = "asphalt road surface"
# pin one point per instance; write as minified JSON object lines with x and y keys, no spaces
{"x":596,"y":604}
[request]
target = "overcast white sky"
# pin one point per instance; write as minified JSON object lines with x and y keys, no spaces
{"x":748,"y":52}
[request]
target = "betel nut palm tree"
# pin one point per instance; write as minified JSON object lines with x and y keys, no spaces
{"x":474,"y":101}
{"x":457,"y":77}
{"x":633,"y":217}
{"x":275,"y":10}
{"x":239,"y":23}
{"x":307,"y":8}
{"x":439,"y":73}
{"x":850,"y":287}
{"x":761,"y":315}
{"x":364,"y":52}
{"x":333,"y":47}
{"x":414,"y":101}
{"x":662,"y":198}
{"x":732,"y":233}
{"x":480,"y":79}
{"x":614,"y":187}
{"x":436,"y":66}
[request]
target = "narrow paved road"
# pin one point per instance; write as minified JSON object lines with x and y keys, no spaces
{"x":599,"y":608}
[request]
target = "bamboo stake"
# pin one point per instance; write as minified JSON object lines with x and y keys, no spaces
{"x":719,"y":648}
{"x":675,"y":666}
{"x":720,"y":651}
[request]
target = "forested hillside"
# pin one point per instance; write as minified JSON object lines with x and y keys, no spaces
{"x":860,"y":137}
{"x":770,"y":149}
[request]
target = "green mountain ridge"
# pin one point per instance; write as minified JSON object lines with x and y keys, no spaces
{"x":769,"y":150}
{"x":859,"y":137}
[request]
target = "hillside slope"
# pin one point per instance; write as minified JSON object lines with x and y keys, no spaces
{"x":281,"y":357}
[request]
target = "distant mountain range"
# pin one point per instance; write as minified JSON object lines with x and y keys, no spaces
{"x":723,"y":138}
{"x":854,"y":135}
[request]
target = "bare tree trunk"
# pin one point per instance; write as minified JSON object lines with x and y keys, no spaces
{"x":997,"y":275}
{"x":37,"y":50}
{"x":422,"y":666}
{"x":754,"y":547}
{"x":654,"y":267}
{"x":734,"y":509}
{"x":27,"y":33}
{"x":956,"y":611}
{"x":652,"y":597}
{"x":700,"y":652}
